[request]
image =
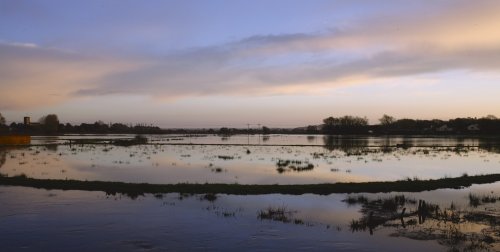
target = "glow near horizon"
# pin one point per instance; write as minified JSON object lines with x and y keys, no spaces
{"x":228,"y":63}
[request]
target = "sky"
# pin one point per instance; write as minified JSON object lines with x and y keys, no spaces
{"x":279,"y":63}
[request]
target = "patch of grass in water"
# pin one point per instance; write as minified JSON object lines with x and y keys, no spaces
{"x":293,"y":165}
{"x":225,"y":157}
{"x":274,"y":213}
{"x":217,"y":170}
{"x":357,"y":225}
{"x":280,"y":214}
{"x":209,"y":197}
{"x":476,"y":200}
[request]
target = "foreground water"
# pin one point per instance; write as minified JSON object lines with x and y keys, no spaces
{"x":40,"y":220}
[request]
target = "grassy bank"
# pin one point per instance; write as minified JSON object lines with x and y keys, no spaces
{"x":134,"y":189}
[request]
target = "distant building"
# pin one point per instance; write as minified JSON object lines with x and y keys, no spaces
{"x":473,"y":127}
{"x":444,"y":128}
{"x":27,"y":122}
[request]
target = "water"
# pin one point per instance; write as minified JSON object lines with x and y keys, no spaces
{"x":40,"y":220}
{"x":357,"y":160}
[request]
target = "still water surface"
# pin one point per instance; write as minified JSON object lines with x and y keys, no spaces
{"x":344,"y":160}
{"x":40,"y":220}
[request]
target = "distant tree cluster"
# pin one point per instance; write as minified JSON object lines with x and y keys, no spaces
{"x":345,"y":124}
{"x":3,"y":127}
{"x":115,"y":128}
{"x":386,"y":120}
{"x":232,"y":131}
{"x":50,"y":125}
{"x":485,"y":125}
{"x":389,"y":125}
{"x":2,"y":119}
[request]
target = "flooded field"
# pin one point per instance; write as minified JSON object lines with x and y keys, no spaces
{"x":440,"y":220}
{"x":229,"y":161}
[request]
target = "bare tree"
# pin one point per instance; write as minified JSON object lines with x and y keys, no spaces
{"x":491,"y":117}
{"x":50,"y":123}
{"x":387,"y":120}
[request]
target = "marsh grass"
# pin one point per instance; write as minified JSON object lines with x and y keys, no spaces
{"x":223,"y":157}
{"x":446,"y":225}
{"x":280,"y":214}
{"x":209,"y":197}
{"x":476,"y":200}
{"x":293,"y":165}
{"x":275,"y":213}
{"x":248,"y":189}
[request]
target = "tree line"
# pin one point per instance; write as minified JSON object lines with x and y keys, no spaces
{"x":50,"y":125}
{"x":389,"y":125}
{"x":347,"y":124}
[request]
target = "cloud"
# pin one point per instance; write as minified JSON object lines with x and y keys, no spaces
{"x":455,"y":35}
{"x":32,"y":76}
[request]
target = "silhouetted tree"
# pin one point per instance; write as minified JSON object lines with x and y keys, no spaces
{"x":68,"y":127}
{"x":100,"y":127}
{"x":345,"y":124}
{"x":119,"y":128}
{"x":490,"y":117}
{"x":2,"y":119}
{"x":3,"y":127}
{"x":311,"y":129}
{"x":330,"y":124}
{"x":407,"y":124}
{"x":386,"y":120}
{"x":266,"y":130}
{"x":224,"y":131}
{"x":50,"y":123}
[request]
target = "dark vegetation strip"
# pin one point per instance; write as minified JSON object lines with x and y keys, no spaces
{"x":134,"y":189}
{"x":107,"y":142}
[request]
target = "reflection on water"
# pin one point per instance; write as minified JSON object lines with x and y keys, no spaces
{"x":489,"y":146}
{"x":441,"y":220}
{"x":345,"y":160}
{"x":346,"y":144}
{"x":39,"y":220}
{"x":276,"y":139}
{"x":3,"y":156}
{"x":311,"y":139}
{"x":460,"y":229}
{"x":265,"y":138}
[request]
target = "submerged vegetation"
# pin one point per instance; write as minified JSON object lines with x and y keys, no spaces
{"x":403,"y":215}
{"x":276,"y":214}
{"x":476,"y":200}
{"x":293,"y":165}
{"x":428,"y":221}
{"x":280,"y":214}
